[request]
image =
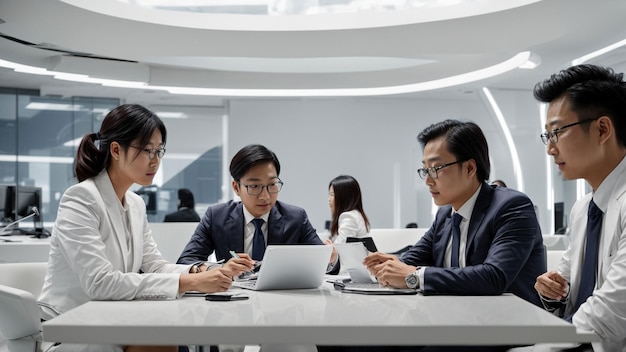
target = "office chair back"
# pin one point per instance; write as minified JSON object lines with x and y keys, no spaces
{"x":20,"y":313}
{"x":25,"y":276}
{"x":20,"y":285}
{"x":19,"y":321}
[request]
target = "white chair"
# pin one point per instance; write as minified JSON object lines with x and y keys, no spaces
{"x":25,"y":276}
{"x":20,"y":284}
{"x":19,"y":322}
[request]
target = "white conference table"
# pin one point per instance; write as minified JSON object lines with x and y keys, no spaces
{"x":317,"y":316}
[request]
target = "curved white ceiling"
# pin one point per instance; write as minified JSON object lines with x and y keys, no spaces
{"x":235,"y":55}
{"x":441,"y":11}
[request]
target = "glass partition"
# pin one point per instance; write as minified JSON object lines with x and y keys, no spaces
{"x":39,"y":136}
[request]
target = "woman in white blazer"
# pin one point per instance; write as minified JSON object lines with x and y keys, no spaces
{"x":101,"y":246}
{"x":346,"y":207}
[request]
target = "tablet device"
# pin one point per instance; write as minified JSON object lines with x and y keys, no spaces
{"x":351,"y":256}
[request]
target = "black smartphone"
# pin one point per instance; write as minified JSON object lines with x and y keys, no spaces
{"x":220,"y":297}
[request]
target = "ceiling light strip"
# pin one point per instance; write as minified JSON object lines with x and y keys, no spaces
{"x":473,"y":76}
{"x":517,"y":168}
{"x":599,"y":52}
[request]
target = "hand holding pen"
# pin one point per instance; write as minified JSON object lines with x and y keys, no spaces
{"x":239,"y":264}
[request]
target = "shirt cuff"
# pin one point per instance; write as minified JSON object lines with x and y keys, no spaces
{"x":420,"y":275}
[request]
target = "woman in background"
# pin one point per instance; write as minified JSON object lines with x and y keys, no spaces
{"x":346,"y":207}
{"x":101,"y":246}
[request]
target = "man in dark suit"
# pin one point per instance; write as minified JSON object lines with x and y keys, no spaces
{"x":497,"y":246}
{"x":186,"y":211}
{"x":259,"y":220}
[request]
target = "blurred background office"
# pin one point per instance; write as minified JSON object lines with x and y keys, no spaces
{"x":186,"y":208}
{"x":302,"y":81}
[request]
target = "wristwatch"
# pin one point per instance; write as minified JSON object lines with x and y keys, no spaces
{"x":195,"y":268}
{"x":412,"y":280}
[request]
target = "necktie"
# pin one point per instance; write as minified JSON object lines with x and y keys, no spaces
{"x":590,"y":260}
{"x":258,"y":242}
{"x":456,"y":239}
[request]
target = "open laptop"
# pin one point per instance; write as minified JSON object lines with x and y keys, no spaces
{"x":361,"y":281}
{"x":287,"y":267}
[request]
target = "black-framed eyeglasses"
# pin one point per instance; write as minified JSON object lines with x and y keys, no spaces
{"x":433,"y":172}
{"x":255,"y":190}
{"x":553,"y":136}
{"x":152,"y":152}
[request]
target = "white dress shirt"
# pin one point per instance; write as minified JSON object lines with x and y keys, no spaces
{"x":604,"y":312}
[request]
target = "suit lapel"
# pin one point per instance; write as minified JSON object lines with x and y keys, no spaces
{"x":439,"y":249}
{"x":274,"y":226}
{"x":234,"y":229}
{"x":478,"y":215}
{"x":103,"y":182}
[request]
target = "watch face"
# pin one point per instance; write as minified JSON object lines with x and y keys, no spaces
{"x":411,"y":280}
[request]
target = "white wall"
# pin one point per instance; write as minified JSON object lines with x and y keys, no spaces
{"x":375,"y":141}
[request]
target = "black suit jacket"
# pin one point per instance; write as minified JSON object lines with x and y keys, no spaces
{"x":182,"y":215}
{"x":504,"y":251}
{"x":221,"y":230}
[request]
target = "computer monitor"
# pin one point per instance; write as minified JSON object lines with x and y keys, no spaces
{"x":6,"y":203}
{"x":149,"y":195}
{"x":26,"y":199}
{"x":559,"y":216}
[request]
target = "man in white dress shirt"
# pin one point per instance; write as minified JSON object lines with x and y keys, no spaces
{"x":586,"y":136}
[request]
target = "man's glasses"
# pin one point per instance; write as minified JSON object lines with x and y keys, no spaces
{"x":255,"y":190}
{"x":152,"y":152}
{"x":553,"y":136}
{"x":433,"y":172}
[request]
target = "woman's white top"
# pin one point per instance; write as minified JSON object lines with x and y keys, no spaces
{"x":351,"y":224}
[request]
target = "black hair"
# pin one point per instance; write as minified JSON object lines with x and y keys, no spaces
{"x":498,"y":183}
{"x":186,"y":198}
{"x":465,"y":140}
{"x":347,"y":197}
{"x":125,"y":124}
{"x":592,"y":91}
{"x":249,"y":156}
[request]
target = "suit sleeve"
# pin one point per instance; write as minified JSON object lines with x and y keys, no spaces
{"x":421,"y":254}
{"x":201,"y":244}
{"x":512,"y":226}
{"x":308,"y":235}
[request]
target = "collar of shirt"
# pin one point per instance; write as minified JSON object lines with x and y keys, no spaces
{"x":602,"y":195}
{"x":466,"y":209}
{"x":249,"y":217}
{"x":248,"y":229}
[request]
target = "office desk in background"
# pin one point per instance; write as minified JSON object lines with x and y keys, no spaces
{"x":317,"y":316}
{"x":171,"y":238}
{"x":24,"y":249}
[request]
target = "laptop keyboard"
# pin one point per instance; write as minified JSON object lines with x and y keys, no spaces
{"x":246,"y":284}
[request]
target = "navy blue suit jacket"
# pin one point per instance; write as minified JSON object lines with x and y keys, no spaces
{"x":504,"y":251}
{"x":221,"y":230}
